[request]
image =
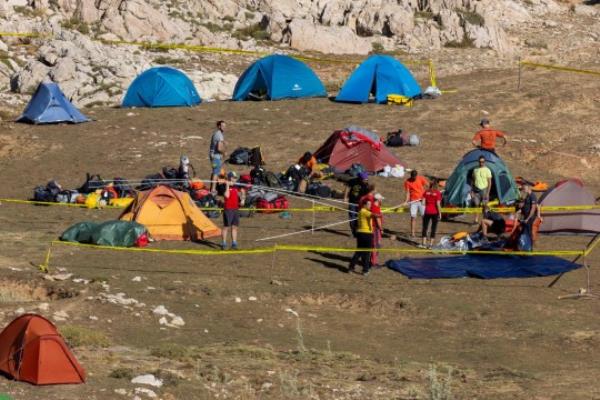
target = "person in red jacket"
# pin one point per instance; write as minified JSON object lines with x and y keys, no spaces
{"x":432,"y":199}
{"x":231,"y":210}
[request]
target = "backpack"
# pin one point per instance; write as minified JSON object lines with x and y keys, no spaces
{"x":208,"y":201}
{"x":240,"y":156}
{"x":123,"y":188}
{"x":170,"y":173}
{"x":67,"y":196}
{"x":256,"y":157}
{"x":272,"y":180}
{"x":91,"y":184}
{"x":318,"y":189}
{"x":397,"y":140}
{"x":258,"y":176}
{"x":355,"y":169}
{"x":150,"y":181}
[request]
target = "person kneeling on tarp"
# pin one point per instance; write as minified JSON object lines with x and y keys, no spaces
{"x":492,"y":222}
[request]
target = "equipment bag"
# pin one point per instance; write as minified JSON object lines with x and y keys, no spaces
{"x":272,"y":180}
{"x":318,"y":189}
{"x":123,"y":188}
{"x":91,"y":184}
{"x":355,"y":169}
{"x":150,"y":181}
{"x":277,"y":205}
{"x":209,"y":201}
{"x":240,"y":156}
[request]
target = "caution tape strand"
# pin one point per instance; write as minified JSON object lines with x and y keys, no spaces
{"x":560,"y":68}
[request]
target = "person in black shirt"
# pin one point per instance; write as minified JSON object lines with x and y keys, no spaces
{"x":529,"y":212}
{"x":355,"y":189}
{"x":492,"y":222}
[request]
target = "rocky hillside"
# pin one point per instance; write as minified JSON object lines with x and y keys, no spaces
{"x":75,"y":52}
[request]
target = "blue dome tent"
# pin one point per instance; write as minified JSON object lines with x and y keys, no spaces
{"x":161,"y":87}
{"x":277,"y":77}
{"x":381,"y":76}
{"x":48,"y":105}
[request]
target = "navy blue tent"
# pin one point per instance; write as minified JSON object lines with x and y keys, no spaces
{"x":161,"y":87}
{"x":50,"y":106}
{"x":380,"y":76}
{"x":277,"y":77}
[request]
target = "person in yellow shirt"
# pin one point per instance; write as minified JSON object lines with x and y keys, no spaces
{"x":364,"y":239}
{"x":482,"y":184}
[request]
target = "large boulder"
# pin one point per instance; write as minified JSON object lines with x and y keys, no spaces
{"x":303,"y":35}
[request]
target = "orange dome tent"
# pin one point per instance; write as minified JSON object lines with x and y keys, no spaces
{"x":32,"y":350}
{"x":169,"y":214}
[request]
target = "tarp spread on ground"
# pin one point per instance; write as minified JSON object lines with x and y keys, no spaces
{"x":459,"y":184}
{"x":277,"y":77}
{"x":356,"y":146}
{"x":161,"y":87}
{"x":485,"y":266}
{"x":49,"y":105}
{"x":32,"y":350}
{"x":380,"y":76}
{"x":170,"y":215}
{"x":570,"y":192}
{"x":110,"y":233}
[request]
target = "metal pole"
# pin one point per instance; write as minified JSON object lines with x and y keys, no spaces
{"x":519,"y":82}
{"x":312,"y":231}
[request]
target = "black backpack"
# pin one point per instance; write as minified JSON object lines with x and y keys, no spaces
{"x":46,"y":193}
{"x":91,"y":184}
{"x":150,"y":181}
{"x":123,"y":188}
{"x":240,"y":156}
{"x":318,"y":189}
{"x":170,"y":172}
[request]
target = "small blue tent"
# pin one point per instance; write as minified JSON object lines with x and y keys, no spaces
{"x":161,"y":87}
{"x":48,"y":105}
{"x":378,"y":75}
{"x":278,"y":77}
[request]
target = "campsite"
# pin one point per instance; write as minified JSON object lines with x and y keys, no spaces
{"x":293,"y":324}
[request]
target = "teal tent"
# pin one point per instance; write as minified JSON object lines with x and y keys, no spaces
{"x":458,"y":185}
{"x":110,"y":233}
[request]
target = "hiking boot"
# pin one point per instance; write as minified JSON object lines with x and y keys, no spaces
{"x":234,"y":246}
{"x":223,"y":246}
{"x":350,"y":269}
{"x":365,"y":273}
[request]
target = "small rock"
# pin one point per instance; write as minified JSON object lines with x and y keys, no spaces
{"x":44,"y":307}
{"x":136,"y":279}
{"x":149,"y":393}
{"x":20,"y":311}
{"x":206,"y":331}
{"x":121,"y":392}
{"x":177,"y":321}
{"x":147,"y":379}
{"x":238,"y":300}
{"x":252,"y":298}
{"x":266,"y":386}
{"x":93,"y":318}
{"x":60,"y":316}
{"x":161,"y":310}
{"x":276,"y":282}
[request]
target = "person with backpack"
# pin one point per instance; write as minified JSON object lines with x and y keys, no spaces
{"x":233,"y":197}
{"x":355,"y":189}
{"x":432,"y":203}
{"x":216,"y":153}
{"x":485,"y":139}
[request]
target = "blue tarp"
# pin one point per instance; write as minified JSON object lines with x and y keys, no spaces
{"x":485,"y":266}
{"x":50,"y":106}
{"x":381,"y":76}
{"x":278,"y":77}
{"x":161,"y":87}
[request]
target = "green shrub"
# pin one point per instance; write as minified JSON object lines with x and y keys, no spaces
{"x":471,"y":17}
{"x":255,"y":31}
{"x":78,"y":336}
{"x":121,"y":373}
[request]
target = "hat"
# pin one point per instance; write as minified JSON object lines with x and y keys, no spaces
{"x":363,"y":176}
{"x":231,"y":175}
{"x":378,"y":197}
{"x":484,"y":121}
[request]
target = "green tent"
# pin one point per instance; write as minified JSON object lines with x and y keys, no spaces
{"x":110,"y":233}
{"x":458,"y":185}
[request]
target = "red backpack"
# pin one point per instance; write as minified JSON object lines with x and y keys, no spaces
{"x":268,"y":207}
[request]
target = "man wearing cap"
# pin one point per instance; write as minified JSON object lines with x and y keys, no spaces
{"x":231,"y":210}
{"x":356,"y":188}
{"x":485,"y":139}
{"x":216,"y":152}
{"x":415,"y":187}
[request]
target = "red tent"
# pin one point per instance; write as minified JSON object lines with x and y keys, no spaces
{"x":344,"y":148}
{"x":32,"y":350}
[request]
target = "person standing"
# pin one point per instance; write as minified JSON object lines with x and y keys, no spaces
{"x":530,"y":210}
{"x":216,"y":153}
{"x":364,"y":240}
{"x":415,"y":188}
{"x":432,"y":201}
{"x":377,"y":227}
{"x":355,"y":189}
{"x":482,"y":185}
{"x":485,"y":139}
{"x":231,"y":211}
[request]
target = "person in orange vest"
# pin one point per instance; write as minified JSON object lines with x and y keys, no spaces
{"x":485,"y":139}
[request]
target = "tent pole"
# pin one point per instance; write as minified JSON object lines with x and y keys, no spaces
{"x":519,"y":81}
{"x":312,"y":231}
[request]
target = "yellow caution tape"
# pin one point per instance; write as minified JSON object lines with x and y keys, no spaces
{"x":45,"y":203}
{"x":560,"y":68}
{"x":295,"y":248}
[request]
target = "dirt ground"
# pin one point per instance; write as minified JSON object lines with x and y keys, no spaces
{"x":381,"y":337}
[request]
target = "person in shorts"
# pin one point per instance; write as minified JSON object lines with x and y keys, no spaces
{"x":482,"y":185}
{"x":432,"y":201}
{"x":231,"y":211}
{"x":415,"y":188}
{"x":216,"y":153}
